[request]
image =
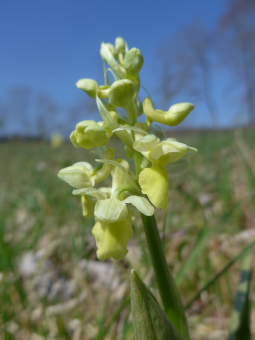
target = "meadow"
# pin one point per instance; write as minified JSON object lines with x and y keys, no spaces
{"x":53,"y":287}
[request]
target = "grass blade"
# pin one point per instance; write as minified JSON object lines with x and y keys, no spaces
{"x":219,"y":274}
{"x":204,"y":236}
{"x":241,"y":315}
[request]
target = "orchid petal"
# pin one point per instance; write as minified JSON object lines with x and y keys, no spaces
{"x":154,"y":184}
{"x":77,"y":176}
{"x":111,"y":210}
{"x":141,"y":203}
{"x":175,"y":150}
{"x":99,"y":195}
{"x":146,"y":143}
{"x":112,"y":239}
{"x":88,"y":206}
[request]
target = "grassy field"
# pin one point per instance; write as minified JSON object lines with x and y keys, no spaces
{"x":53,"y":287}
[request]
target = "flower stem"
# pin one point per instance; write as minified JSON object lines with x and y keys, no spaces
{"x":168,"y":291}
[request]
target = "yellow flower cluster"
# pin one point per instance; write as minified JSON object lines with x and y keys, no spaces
{"x":148,"y":187}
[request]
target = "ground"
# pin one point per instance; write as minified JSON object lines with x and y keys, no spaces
{"x":53,"y":287}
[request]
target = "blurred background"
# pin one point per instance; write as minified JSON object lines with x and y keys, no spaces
{"x":203,"y":52}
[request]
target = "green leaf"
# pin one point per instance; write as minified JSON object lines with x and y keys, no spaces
{"x":170,"y":295}
{"x":241,"y":314}
{"x":149,"y":319}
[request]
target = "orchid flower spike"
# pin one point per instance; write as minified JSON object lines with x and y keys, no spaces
{"x":112,"y":207}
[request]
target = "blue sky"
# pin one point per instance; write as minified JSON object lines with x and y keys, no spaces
{"x":49,"y":44}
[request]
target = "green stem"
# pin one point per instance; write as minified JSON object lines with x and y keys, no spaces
{"x":131,"y":112}
{"x":138,"y":157}
{"x":168,"y":291}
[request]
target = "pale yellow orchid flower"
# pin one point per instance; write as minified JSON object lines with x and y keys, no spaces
{"x":82,"y":175}
{"x":112,"y":238}
{"x":153,"y":180}
{"x":113,"y":227}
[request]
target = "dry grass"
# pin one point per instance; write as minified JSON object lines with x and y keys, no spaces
{"x":53,"y":287}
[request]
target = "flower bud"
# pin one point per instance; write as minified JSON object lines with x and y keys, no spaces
{"x":174,"y":116}
{"x":111,"y":49}
{"x":133,"y":61}
{"x":120,"y":45}
{"x":107,"y":57}
{"x":178,"y":112}
{"x":88,"y":134}
{"x":122,"y":92}
{"x":89,"y":86}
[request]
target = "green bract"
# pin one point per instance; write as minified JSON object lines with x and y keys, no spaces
{"x":148,"y":185}
{"x":120,"y":45}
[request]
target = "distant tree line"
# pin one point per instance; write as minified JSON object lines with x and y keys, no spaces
{"x":26,"y":113}
{"x":190,"y":60}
